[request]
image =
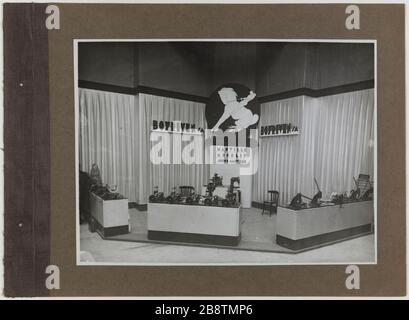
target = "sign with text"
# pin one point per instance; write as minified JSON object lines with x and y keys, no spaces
{"x":284,"y":129}
{"x":175,"y":127}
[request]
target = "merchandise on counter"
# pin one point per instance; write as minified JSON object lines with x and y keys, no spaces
{"x":316,"y":200}
{"x":368,"y":195}
{"x":186,"y":191}
{"x":217,"y":180}
{"x":339,"y":198}
{"x":173,"y":197}
{"x":188,"y":196}
{"x":112,"y":187}
{"x":95,"y":175}
{"x":235,"y":181}
{"x":104,"y":193}
{"x":355,"y":193}
{"x":197,"y":199}
{"x":209,"y":199}
{"x":157,"y":196}
{"x":296,"y":202}
{"x":189,"y":200}
{"x":231,"y":196}
{"x":210,"y":188}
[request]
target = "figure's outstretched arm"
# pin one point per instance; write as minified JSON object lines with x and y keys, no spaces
{"x":222,"y":119}
{"x":246,"y":100}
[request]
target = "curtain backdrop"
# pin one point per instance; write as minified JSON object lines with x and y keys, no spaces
{"x":114,"y":133}
{"x":107,"y":137}
{"x":335,"y":143}
{"x":167,"y":176}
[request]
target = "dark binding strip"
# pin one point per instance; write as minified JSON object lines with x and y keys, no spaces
{"x":27,"y":150}
{"x":316,"y":93}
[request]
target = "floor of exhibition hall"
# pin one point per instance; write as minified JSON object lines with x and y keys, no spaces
{"x":257,"y":245}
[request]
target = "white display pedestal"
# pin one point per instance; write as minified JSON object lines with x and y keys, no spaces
{"x":194,"y":223}
{"x":300,"y":229}
{"x":111,"y":216}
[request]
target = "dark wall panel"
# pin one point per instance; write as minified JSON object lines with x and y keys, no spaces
{"x":235,"y":62}
{"x":280,"y":67}
{"x":336,"y":64}
{"x":285,"y":67}
{"x":179,"y":67}
{"x":199,"y":68}
{"x":108,"y":63}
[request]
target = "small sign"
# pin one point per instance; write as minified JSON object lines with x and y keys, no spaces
{"x":284,"y":129}
{"x":175,"y":127}
{"x":231,"y":155}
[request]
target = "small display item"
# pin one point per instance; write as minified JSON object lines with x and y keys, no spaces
{"x":231,"y":196}
{"x":355,"y":193}
{"x":172,"y":198}
{"x":235,"y":181}
{"x":95,"y":175}
{"x":296,"y":202}
{"x":217,"y":180}
{"x":339,"y":198}
{"x":104,"y":193}
{"x":157,"y":196}
{"x":316,"y":200}
{"x":368,"y":195}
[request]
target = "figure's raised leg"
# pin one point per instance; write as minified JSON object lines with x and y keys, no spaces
{"x":255,"y":119}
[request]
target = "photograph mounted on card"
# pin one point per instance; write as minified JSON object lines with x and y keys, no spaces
{"x":192,"y":169}
{"x":182,"y":146}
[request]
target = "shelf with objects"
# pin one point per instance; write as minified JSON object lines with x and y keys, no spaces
{"x":186,"y":216}
{"x":302,"y":225}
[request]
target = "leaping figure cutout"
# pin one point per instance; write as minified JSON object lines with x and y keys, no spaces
{"x":236,"y":108}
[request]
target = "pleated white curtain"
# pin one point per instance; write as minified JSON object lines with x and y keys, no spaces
{"x":167,"y":176}
{"x":284,"y":162}
{"x":335,"y":143}
{"x":108,"y":137}
{"x":345,"y":143}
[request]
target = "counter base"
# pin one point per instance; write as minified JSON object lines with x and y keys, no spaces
{"x":194,"y":238}
{"x":110,"y":231}
{"x":322,"y":239}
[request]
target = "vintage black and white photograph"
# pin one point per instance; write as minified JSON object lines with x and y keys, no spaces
{"x":225,"y":152}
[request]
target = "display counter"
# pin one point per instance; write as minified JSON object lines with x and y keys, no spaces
{"x":315,"y":226}
{"x":194,"y":224}
{"x":111,"y":217}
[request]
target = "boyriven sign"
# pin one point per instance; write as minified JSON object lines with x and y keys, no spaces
{"x":284,"y":129}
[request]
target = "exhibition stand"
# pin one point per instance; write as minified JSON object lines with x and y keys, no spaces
{"x":111,"y":217}
{"x":194,"y":223}
{"x":329,"y":222}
